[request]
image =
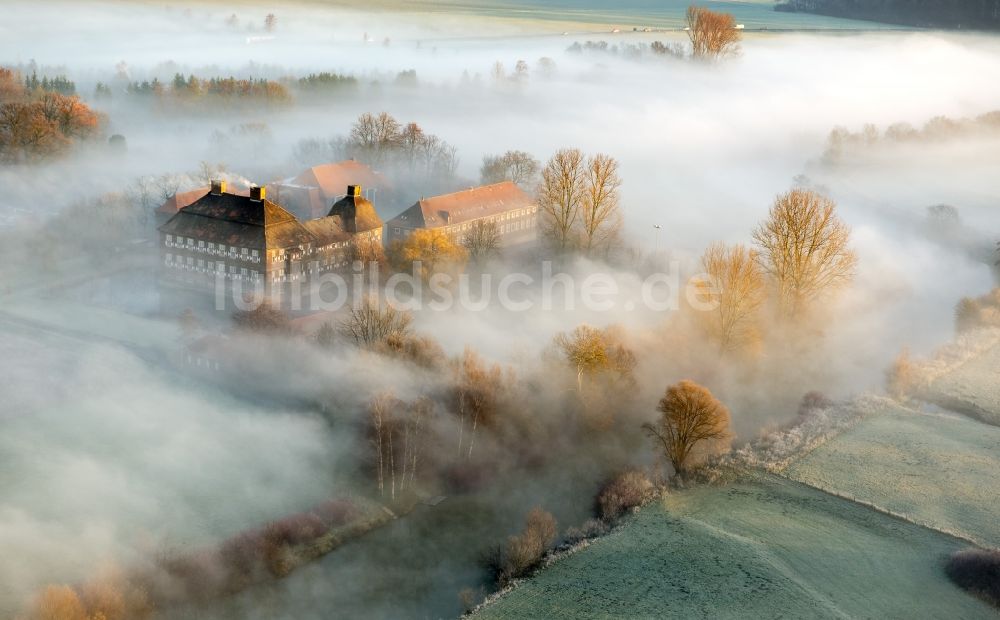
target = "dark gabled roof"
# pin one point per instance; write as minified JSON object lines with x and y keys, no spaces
{"x":464,"y":206}
{"x":327,"y":230}
{"x":242,"y":209}
{"x":288,"y":234}
{"x":181,"y":200}
{"x":358,"y":210}
{"x":238,"y":220}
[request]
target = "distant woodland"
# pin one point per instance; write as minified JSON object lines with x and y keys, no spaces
{"x":970,"y":14}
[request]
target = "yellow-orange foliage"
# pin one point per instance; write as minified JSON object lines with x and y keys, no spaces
{"x":433,"y":248}
{"x":735,"y":287}
{"x":804,"y":247}
{"x":58,"y":603}
{"x":712,"y":34}
{"x":689,"y":415}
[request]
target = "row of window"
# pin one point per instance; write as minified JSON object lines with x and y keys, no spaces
{"x":209,"y":247}
{"x":496,"y":219}
{"x":201,"y":265}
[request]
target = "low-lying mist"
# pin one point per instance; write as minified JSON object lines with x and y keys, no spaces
{"x":111,"y":454}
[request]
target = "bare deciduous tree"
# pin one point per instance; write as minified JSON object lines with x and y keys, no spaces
{"x":600,"y":217}
{"x":737,"y":289}
{"x":371,"y":323}
{"x":517,"y":166}
{"x":482,"y":241}
{"x":689,"y":415}
{"x":376,"y":135}
{"x":559,"y":196}
{"x":712,"y":34}
{"x":474,"y":397}
{"x":498,"y":72}
{"x":265,"y":318}
{"x":804,"y":247}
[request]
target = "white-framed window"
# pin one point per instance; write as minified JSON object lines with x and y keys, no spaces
{"x":168,"y":258}
{"x":170,"y":239}
{"x":222,"y":248}
{"x":210,"y":266}
{"x":232,"y":269}
{"x":220,"y":267}
{"x":201,"y":244}
{"x":244,"y":251}
{"x":190,"y":242}
{"x":190,"y":260}
{"x":201,"y":263}
{"x":211,"y":246}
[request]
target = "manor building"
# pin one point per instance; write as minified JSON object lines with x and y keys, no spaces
{"x":308,"y":196}
{"x":227,"y":237}
{"x":506,"y":205}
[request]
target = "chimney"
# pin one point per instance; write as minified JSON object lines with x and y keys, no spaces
{"x":354,"y":191}
{"x":257,"y":193}
{"x":218,"y":187}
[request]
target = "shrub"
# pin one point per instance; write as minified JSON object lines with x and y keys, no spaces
{"x":265,"y":318}
{"x":295,"y":529}
{"x":622,"y":493}
{"x":977,"y":571}
{"x":902,"y":378}
{"x":336,"y":512}
{"x":279,"y":536}
{"x":196,"y":575}
{"x":469,"y":598}
{"x":242,"y":554}
{"x":524,"y":551}
{"x":419,"y":350}
{"x":591,"y":528}
{"x":968,"y":314}
{"x":812,"y":401}
{"x":58,"y":603}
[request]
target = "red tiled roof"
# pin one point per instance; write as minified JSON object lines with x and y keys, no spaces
{"x":333,"y":178}
{"x":464,"y":206}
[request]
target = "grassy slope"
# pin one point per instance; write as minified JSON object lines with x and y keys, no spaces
{"x":767,"y":549}
{"x":973,"y":387}
{"x":941,"y":471}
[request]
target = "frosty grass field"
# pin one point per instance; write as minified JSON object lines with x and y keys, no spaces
{"x":769,"y":548}
{"x":773,"y":546}
{"x":972,"y":387}
{"x":937,"y":470}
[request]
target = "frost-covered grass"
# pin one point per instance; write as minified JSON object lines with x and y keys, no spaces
{"x":973,"y":386}
{"x":755,"y":549}
{"x":939,"y":470}
{"x":776,"y":449}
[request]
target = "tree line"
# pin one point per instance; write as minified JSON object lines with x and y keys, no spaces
{"x":842,"y":142}
{"x":964,"y":14}
{"x":39,"y":122}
